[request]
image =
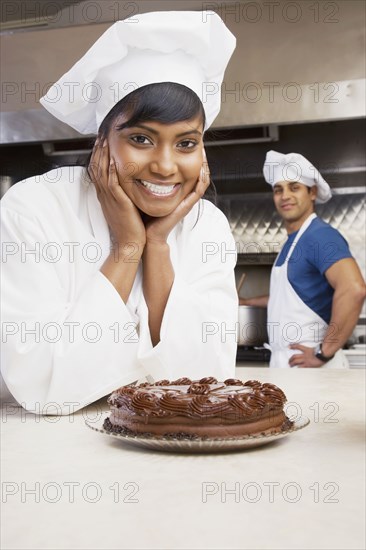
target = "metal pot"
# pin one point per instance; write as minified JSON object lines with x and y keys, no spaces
{"x":5,"y":183}
{"x":252,"y":326}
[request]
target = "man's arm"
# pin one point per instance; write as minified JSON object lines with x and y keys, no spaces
{"x":349,"y":294}
{"x":258,"y":301}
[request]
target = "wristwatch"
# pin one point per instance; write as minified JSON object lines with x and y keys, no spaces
{"x":318,"y":352}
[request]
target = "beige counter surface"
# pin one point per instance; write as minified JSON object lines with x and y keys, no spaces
{"x":65,"y":486}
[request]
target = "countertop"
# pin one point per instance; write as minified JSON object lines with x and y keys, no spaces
{"x":65,"y":486}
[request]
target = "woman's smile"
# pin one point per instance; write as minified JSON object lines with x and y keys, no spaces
{"x":159,"y":190}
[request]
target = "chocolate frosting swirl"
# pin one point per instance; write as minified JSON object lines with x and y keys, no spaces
{"x":162,"y":383}
{"x":233,"y":382}
{"x":253,"y":384}
{"x":127,"y":390}
{"x":241,"y":404}
{"x":145,"y":401}
{"x":181,"y":382}
{"x":172,"y":402}
{"x":208,"y":380}
{"x":275,"y":394}
{"x":199,"y":389}
{"x":122,"y":396}
{"x":256,"y":401}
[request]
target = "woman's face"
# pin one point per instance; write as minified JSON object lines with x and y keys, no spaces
{"x":158,"y":164}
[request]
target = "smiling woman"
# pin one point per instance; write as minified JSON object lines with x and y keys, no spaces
{"x":157,"y":297}
{"x":146,"y":182}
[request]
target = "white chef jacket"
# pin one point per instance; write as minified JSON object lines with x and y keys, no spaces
{"x":68,"y":337}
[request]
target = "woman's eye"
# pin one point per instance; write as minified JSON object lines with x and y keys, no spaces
{"x":141,"y":140}
{"x":187,"y":144}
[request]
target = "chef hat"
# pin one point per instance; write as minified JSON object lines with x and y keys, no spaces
{"x":191,"y":48}
{"x":295,"y":167}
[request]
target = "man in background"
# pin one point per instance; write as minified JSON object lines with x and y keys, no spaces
{"x":316,"y":289}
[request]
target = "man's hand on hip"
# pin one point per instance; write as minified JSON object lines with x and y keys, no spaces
{"x":306,"y":359}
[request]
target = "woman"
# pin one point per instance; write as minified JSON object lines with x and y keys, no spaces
{"x":117,"y":272}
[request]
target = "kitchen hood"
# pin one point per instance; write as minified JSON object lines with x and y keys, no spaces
{"x":295,"y":61}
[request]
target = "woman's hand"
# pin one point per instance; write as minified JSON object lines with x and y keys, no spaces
{"x":123,"y":218}
{"x":158,"y":229}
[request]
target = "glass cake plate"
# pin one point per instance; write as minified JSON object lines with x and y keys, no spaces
{"x":188,"y":444}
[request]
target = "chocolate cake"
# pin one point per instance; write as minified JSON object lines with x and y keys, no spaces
{"x":201,"y":408}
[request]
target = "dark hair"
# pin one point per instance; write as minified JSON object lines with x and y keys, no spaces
{"x":165,"y":102}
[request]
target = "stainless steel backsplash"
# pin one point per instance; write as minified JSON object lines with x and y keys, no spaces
{"x":257,"y":228}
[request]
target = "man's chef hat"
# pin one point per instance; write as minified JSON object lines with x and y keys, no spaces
{"x":295,"y":167}
{"x":191,"y":48}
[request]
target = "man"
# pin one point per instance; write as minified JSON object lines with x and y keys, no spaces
{"x":316,"y":289}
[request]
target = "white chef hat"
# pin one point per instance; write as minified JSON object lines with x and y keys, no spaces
{"x":295,"y":167}
{"x":191,"y":48}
